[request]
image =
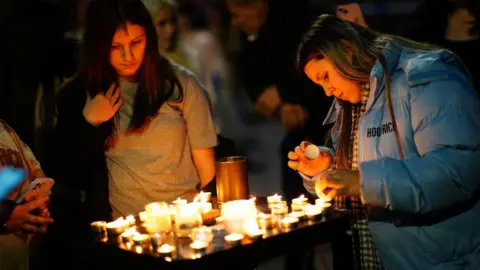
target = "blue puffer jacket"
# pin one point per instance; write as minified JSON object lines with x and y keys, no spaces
{"x":430,"y":218}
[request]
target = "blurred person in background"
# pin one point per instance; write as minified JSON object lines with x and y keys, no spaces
{"x":184,"y":38}
{"x":452,"y":24}
{"x":271,"y":32}
{"x":19,"y":223}
{"x":406,"y":155}
{"x":165,"y":17}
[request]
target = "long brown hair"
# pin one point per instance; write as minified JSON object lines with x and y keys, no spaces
{"x":354,"y":50}
{"x":156,"y":77}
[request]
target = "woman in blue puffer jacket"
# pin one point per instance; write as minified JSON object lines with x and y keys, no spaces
{"x":406,"y":140}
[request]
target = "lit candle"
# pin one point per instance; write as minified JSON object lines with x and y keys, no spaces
{"x":237,"y":215}
{"x":289,"y":222}
{"x":267,"y":222}
{"x":131,"y":220}
{"x":157,"y":239}
{"x":142,"y":216}
{"x":205,"y":207}
{"x":158,"y":218}
{"x":188,"y":217}
{"x":117,"y":227}
{"x":179,"y":202}
{"x":323,"y":202}
{"x":198,"y":245}
{"x":299,"y":215}
{"x":233,"y":239}
{"x":279,"y":209}
{"x":254,"y":232}
{"x":299,"y":203}
{"x":166,"y":250}
{"x":98,"y":226}
{"x":127,"y":237}
{"x":274,"y":199}
{"x":203,"y":197}
{"x":141,"y":242}
{"x":313,"y":212}
{"x":204,"y":234}
{"x":219,"y":220}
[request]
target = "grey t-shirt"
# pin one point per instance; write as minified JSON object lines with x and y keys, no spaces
{"x":157,"y":164}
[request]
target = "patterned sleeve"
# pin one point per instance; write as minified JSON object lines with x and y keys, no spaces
{"x":36,"y":169}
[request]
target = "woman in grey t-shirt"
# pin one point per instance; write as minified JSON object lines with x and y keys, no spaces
{"x":159,"y":135}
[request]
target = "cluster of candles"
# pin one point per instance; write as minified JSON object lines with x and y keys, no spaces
{"x":159,"y":219}
{"x":240,"y":218}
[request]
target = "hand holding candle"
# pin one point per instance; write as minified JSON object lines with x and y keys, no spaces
{"x":338,"y":182}
{"x":309,"y":163}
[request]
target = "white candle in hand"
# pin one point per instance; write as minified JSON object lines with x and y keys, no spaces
{"x":312,"y":152}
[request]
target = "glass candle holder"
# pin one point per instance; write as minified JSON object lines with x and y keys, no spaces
{"x":299,"y":203}
{"x":166,"y":250}
{"x":141,"y":243}
{"x":266,"y":221}
{"x":238,"y":215}
{"x":99,"y":228}
{"x":289,"y":222}
{"x":233,"y":239}
{"x":187,"y":218}
{"x":279,"y":208}
{"x":159,"y":219}
{"x":204,"y":234}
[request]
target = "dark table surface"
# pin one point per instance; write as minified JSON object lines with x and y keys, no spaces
{"x":86,"y":253}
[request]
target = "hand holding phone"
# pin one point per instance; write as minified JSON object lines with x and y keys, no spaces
{"x":39,"y":188}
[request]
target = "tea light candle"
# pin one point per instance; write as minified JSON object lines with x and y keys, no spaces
{"x":234,"y":239}
{"x":127,"y":237}
{"x":255,"y":234}
{"x":299,"y":203}
{"x":179,"y":202}
{"x":204,"y":234}
{"x":274,"y":199}
{"x":205,"y":207}
{"x":323,"y":202}
{"x":279,"y":209}
{"x":116,"y":227}
{"x":313,"y":212}
{"x":142,"y":216}
{"x":203,"y":197}
{"x":166,"y":250}
{"x":267,"y":222}
{"x":299,"y":215}
{"x":131,"y":220}
{"x":141,"y":239}
{"x":198,"y":245}
{"x":157,"y":239}
{"x":289,"y":222}
{"x":98,"y":226}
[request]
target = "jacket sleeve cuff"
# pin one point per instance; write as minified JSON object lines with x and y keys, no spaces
{"x":308,"y":183}
{"x":372,"y":184}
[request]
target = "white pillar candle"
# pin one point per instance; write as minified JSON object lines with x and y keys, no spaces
{"x":238,"y":214}
{"x":188,"y":217}
{"x":158,"y":218}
